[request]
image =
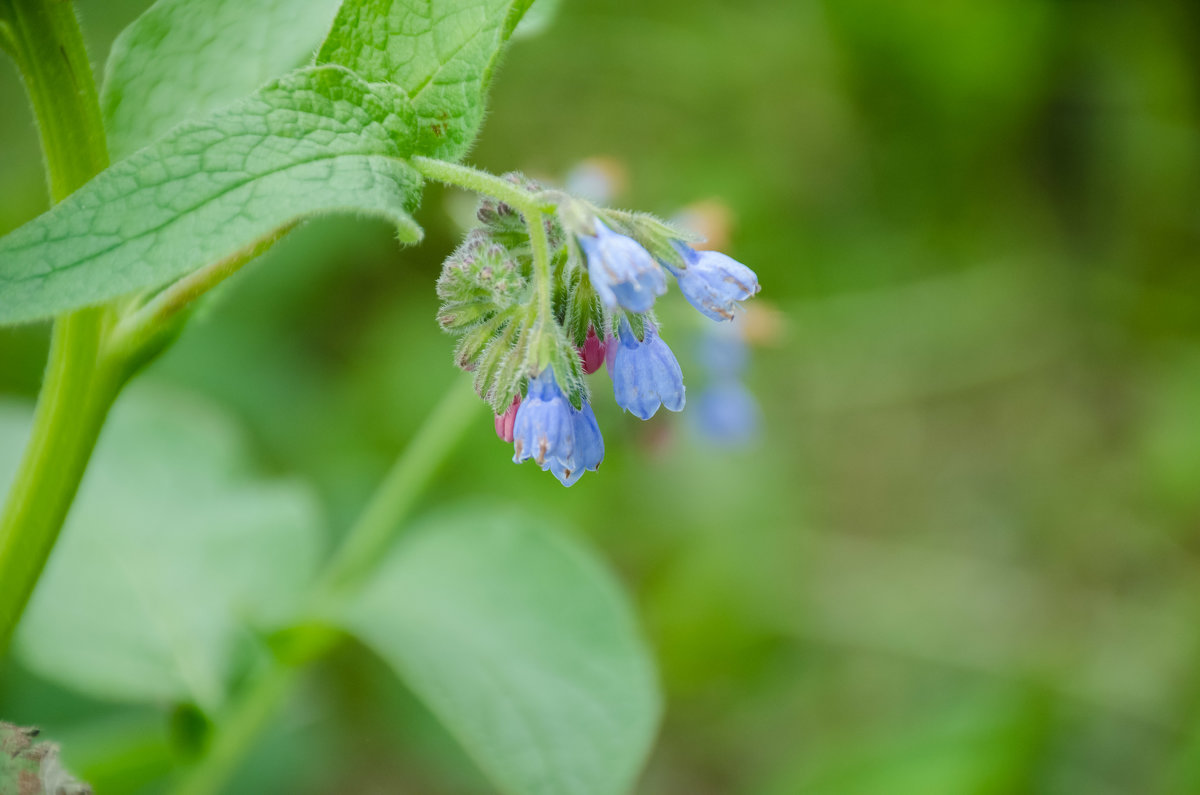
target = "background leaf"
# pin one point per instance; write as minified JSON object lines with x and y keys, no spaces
{"x":537,"y":19}
{"x":319,"y":140}
{"x":172,"y":550}
{"x":442,"y":52}
{"x":183,"y":59}
{"x":522,"y":645}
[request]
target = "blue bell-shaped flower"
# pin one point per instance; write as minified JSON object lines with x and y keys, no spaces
{"x":543,"y":429}
{"x":622,"y":272}
{"x":645,"y":374}
{"x":713,"y":282}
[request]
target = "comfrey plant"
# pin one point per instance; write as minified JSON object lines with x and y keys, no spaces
{"x":204,"y":147}
{"x":537,"y":308}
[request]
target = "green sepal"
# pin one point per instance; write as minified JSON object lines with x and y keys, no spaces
{"x":654,"y":234}
{"x":499,"y":371}
{"x":471,"y":344}
{"x":644,"y":225}
{"x":637,"y":322}
{"x":555,"y":350}
{"x":465,"y":314}
{"x":583,"y":309}
{"x":506,"y":382}
{"x":577,"y":216}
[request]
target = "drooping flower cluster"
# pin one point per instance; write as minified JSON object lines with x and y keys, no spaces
{"x":532,"y":329}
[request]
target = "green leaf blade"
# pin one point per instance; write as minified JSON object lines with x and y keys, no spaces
{"x":441,"y":52}
{"x":184,"y":59}
{"x":317,"y":141}
{"x":523,"y":645}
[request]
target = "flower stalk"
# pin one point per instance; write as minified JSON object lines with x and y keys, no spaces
{"x":45,"y":41}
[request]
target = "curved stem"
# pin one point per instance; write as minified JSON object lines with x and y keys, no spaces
{"x":532,"y":206}
{"x":243,"y":724}
{"x":45,"y":41}
{"x":378,"y":523}
{"x":365,"y":544}
{"x":473,"y":179}
{"x":541,"y":261}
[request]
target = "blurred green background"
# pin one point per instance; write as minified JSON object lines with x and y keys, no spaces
{"x":964,"y":554}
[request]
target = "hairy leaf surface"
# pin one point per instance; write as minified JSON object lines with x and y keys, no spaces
{"x":441,"y":52}
{"x":522,"y":645}
{"x":183,"y":59}
{"x":319,"y":140}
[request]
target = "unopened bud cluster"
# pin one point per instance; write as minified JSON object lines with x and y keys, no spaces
{"x":607,"y":269}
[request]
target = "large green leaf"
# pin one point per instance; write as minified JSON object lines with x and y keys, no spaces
{"x":173,"y":549}
{"x":318,"y":140}
{"x":183,"y":59}
{"x":442,"y":52}
{"x":522,"y":645}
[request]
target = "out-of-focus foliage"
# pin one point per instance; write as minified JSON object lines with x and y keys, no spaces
{"x":964,"y":556}
{"x":524,"y":648}
{"x":175,"y":555}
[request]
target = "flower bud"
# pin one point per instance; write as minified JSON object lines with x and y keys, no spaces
{"x":713,"y":282}
{"x":591,"y":353}
{"x":505,"y":421}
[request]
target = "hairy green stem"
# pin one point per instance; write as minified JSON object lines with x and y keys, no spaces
{"x":364,"y":546}
{"x":533,"y":206}
{"x":44,"y":39}
{"x":541,"y":262}
{"x":472,"y":179}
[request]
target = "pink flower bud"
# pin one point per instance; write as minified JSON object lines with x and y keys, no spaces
{"x":505,"y":421}
{"x":592,"y":352}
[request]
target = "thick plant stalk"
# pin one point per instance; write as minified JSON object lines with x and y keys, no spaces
{"x":44,"y":39}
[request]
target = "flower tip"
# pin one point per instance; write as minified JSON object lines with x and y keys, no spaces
{"x":592,"y":352}
{"x":645,"y":374}
{"x":714,"y":283}
{"x":621,"y":270}
{"x":505,"y":422}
